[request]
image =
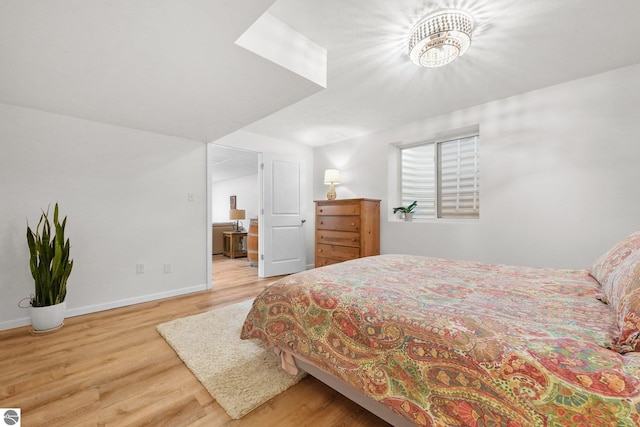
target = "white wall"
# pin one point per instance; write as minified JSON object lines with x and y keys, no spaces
{"x":303,"y":154}
{"x":125,"y":195}
{"x":247,"y":192}
{"x":560,"y":178}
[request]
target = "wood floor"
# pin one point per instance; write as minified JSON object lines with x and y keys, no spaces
{"x":113,"y":369}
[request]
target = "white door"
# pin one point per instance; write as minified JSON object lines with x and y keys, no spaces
{"x":281,"y":240}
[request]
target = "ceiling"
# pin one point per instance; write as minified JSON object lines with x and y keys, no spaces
{"x":163,"y":66}
{"x":517,"y":46}
{"x":173,"y":67}
{"x":229,"y":163}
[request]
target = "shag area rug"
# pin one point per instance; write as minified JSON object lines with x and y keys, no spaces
{"x":240,"y":374}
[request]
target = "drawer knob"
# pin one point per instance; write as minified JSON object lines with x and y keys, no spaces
{"x":321,"y":210}
{"x":320,"y":250}
{"x":353,"y":240}
{"x":353,"y":224}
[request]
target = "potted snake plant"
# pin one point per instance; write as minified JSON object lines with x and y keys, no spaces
{"x":406,"y":212}
{"x":50,"y":267}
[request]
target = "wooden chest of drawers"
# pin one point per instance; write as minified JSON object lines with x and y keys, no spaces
{"x":346,"y":229}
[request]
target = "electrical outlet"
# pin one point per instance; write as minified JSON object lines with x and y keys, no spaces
{"x":191,"y":197}
{"x":139,"y":268}
{"x":167,"y":268}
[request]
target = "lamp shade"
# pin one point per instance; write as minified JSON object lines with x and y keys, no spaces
{"x":332,"y":176}
{"x":236,"y":214}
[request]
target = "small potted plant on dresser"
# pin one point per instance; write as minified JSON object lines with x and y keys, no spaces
{"x":50,"y":267}
{"x":406,"y":212}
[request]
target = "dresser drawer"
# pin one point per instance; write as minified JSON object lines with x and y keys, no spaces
{"x":338,"y":210}
{"x":342,"y":253}
{"x":321,"y":261}
{"x":341,"y":238}
{"x":338,"y":223}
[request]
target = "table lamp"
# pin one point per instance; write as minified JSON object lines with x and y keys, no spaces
{"x":237,"y":215}
{"x":331,"y":176}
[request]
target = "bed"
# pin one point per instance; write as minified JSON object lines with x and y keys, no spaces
{"x":435,"y":342}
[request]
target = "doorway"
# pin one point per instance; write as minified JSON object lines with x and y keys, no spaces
{"x":234,"y":192}
{"x":271,"y":195}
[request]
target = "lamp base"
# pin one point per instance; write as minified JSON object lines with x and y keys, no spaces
{"x":331,"y":195}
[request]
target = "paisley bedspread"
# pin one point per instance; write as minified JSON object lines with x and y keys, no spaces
{"x":451,"y":343}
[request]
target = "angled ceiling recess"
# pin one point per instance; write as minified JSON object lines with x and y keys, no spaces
{"x":274,"y":40}
{"x":161,"y":66}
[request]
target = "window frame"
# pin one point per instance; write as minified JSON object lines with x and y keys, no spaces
{"x":436,"y":142}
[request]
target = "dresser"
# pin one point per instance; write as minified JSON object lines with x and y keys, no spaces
{"x":346,"y":229}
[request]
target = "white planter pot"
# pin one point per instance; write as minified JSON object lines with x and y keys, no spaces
{"x":49,"y":317}
{"x":408,"y":216}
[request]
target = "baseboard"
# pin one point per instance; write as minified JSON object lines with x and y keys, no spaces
{"x":79,"y":311}
{"x":15,"y":323}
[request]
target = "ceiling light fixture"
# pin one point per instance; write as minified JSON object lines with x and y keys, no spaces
{"x":440,"y":38}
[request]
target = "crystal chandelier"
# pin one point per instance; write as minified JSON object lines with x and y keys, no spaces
{"x":440,"y":38}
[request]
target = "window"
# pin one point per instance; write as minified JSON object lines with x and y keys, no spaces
{"x":443,"y":176}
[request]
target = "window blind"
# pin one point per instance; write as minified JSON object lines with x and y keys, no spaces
{"x":459,"y":183}
{"x":443,"y":177}
{"x":419,"y":179}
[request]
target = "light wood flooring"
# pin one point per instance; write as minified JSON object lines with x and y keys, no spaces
{"x":112,"y":368}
